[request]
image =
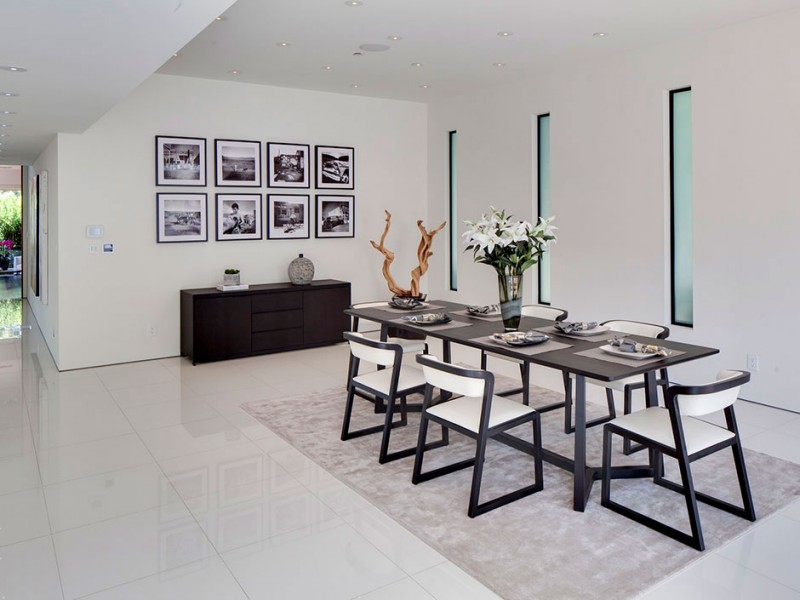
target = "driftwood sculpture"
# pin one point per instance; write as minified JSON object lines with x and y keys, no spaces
{"x":423,"y":254}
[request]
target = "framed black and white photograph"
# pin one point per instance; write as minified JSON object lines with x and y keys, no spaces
{"x":182,"y":217}
{"x":288,"y":165}
{"x":336,"y":216}
{"x":238,"y":163}
{"x":180,"y":161}
{"x":239,"y":217}
{"x":288,"y":217}
{"x":335,"y":167}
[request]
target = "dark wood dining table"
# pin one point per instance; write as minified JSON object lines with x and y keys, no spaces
{"x":569,"y":359}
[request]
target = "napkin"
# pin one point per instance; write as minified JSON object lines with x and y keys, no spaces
{"x":565,"y":327}
{"x":629,"y":345}
{"x":428,"y":318}
{"x":483,"y":310}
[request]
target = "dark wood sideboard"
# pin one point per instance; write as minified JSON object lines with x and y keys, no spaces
{"x":270,"y":317}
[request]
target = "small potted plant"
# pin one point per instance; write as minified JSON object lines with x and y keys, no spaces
{"x":231,"y":277}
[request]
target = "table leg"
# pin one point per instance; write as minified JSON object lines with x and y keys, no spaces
{"x":448,"y":358}
{"x":579,"y":476}
{"x":650,"y":388}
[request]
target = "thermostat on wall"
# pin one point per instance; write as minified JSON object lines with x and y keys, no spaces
{"x":94,"y":231}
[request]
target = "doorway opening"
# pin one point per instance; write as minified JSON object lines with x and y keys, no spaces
{"x":10,"y":251}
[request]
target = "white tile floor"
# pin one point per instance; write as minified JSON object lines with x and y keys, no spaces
{"x":147,"y":481}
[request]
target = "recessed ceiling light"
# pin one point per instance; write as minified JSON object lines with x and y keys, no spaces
{"x":374,"y":47}
{"x":354,"y":3}
{"x":221,"y":18}
{"x":5,"y":125}
{"x":7,"y":112}
{"x":327,"y":68}
{"x":498,"y":64}
{"x":354,"y":85}
{"x":424,"y":86}
{"x":13,"y":69}
{"x":504,"y":33}
{"x":9,"y":94}
{"x":394,"y":38}
{"x":4,"y":135}
{"x":234,"y":71}
{"x":176,"y":55}
{"x":416,"y":64}
{"x":599,"y":34}
{"x":283,"y":44}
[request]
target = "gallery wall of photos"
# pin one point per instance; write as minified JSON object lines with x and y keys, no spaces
{"x":240,"y":211}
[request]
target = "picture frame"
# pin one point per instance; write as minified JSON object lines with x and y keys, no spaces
{"x":335,"y":167}
{"x":288,"y":165}
{"x":180,"y":161}
{"x":237,"y":163}
{"x":239,"y":217}
{"x":288,"y":217}
{"x":335,"y":216}
{"x":182,"y":217}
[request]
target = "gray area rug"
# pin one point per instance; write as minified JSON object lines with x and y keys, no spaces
{"x":537,"y":547}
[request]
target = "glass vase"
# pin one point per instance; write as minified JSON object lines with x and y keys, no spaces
{"x":510,"y":288}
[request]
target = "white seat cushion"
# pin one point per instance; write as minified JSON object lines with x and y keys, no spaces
{"x":466,"y":411}
{"x":653,"y":423}
{"x":410,"y":377}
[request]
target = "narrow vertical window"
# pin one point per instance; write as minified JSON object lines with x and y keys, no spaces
{"x":454,"y":240}
{"x":543,"y":197}
{"x":680,"y":149}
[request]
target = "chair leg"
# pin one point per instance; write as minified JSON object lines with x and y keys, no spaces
{"x":691,"y":504}
{"x":387,"y":426}
{"x":525,"y":375}
{"x":423,"y":434}
{"x":605,"y":491}
{"x":348,"y":411}
{"x":612,"y":410}
{"x":483,"y":360}
{"x":744,"y":482}
{"x":568,"y":404}
{"x":477,"y":476}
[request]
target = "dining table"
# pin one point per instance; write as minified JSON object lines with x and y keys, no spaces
{"x":580,"y":356}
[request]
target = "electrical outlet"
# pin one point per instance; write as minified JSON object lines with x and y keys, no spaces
{"x":752,"y":362}
{"x":94,"y":249}
{"x":151,"y":331}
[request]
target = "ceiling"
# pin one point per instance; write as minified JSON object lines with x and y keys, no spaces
{"x":84,"y":56}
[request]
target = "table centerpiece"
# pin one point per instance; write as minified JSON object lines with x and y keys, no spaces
{"x":510,"y":247}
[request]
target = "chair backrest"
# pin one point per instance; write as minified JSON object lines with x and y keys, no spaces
{"x":544,"y":312}
{"x":380,"y":353}
{"x":699,"y":400}
{"x":445,"y":376}
{"x":638,"y":328}
{"x":375,"y":304}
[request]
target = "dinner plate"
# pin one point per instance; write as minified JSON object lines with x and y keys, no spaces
{"x":428,"y":319}
{"x":632,"y":355}
{"x":590,"y":332}
{"x":518,"y":339}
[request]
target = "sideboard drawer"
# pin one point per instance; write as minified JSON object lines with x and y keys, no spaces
{"x":284,"y":319}
{"x":275,"y":340}
{"x":278,"y":301}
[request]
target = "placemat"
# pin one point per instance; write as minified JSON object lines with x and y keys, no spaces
{"x":450,"y":325}
{"x":547,"y":346}
{"x":465,"y":313}
{"x":550,"y":330}
{"x":600,"y":355}
{"x":424,"y":307}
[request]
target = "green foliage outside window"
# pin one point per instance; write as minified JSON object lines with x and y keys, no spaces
{"x":11,"y":218}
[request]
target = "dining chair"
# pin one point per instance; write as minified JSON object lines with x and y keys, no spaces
{"x":627,"y":385}
{"x":542,"y":312}
{"x":677,"y":432}
{"x":476,"y":413}
{"x":391,"y":385}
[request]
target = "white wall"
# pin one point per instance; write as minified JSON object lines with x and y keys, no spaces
{"x":107,"y":178}
{"x":609,"y":190}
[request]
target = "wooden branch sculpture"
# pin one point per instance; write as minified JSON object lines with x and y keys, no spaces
{"x":423,"y":254}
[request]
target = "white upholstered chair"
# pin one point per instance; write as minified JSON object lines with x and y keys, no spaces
{"x":391,"y":385}
{"x":677,"y":432}
{"x":626,"y":385}
{"x":529,"y":310}
{"x":476,"y":413}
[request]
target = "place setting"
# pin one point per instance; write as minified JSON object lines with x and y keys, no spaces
{"x":575,"y":329}
{"x":488,"y":312}
{"x":528,"y":342}
{"x":628,"y":351}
